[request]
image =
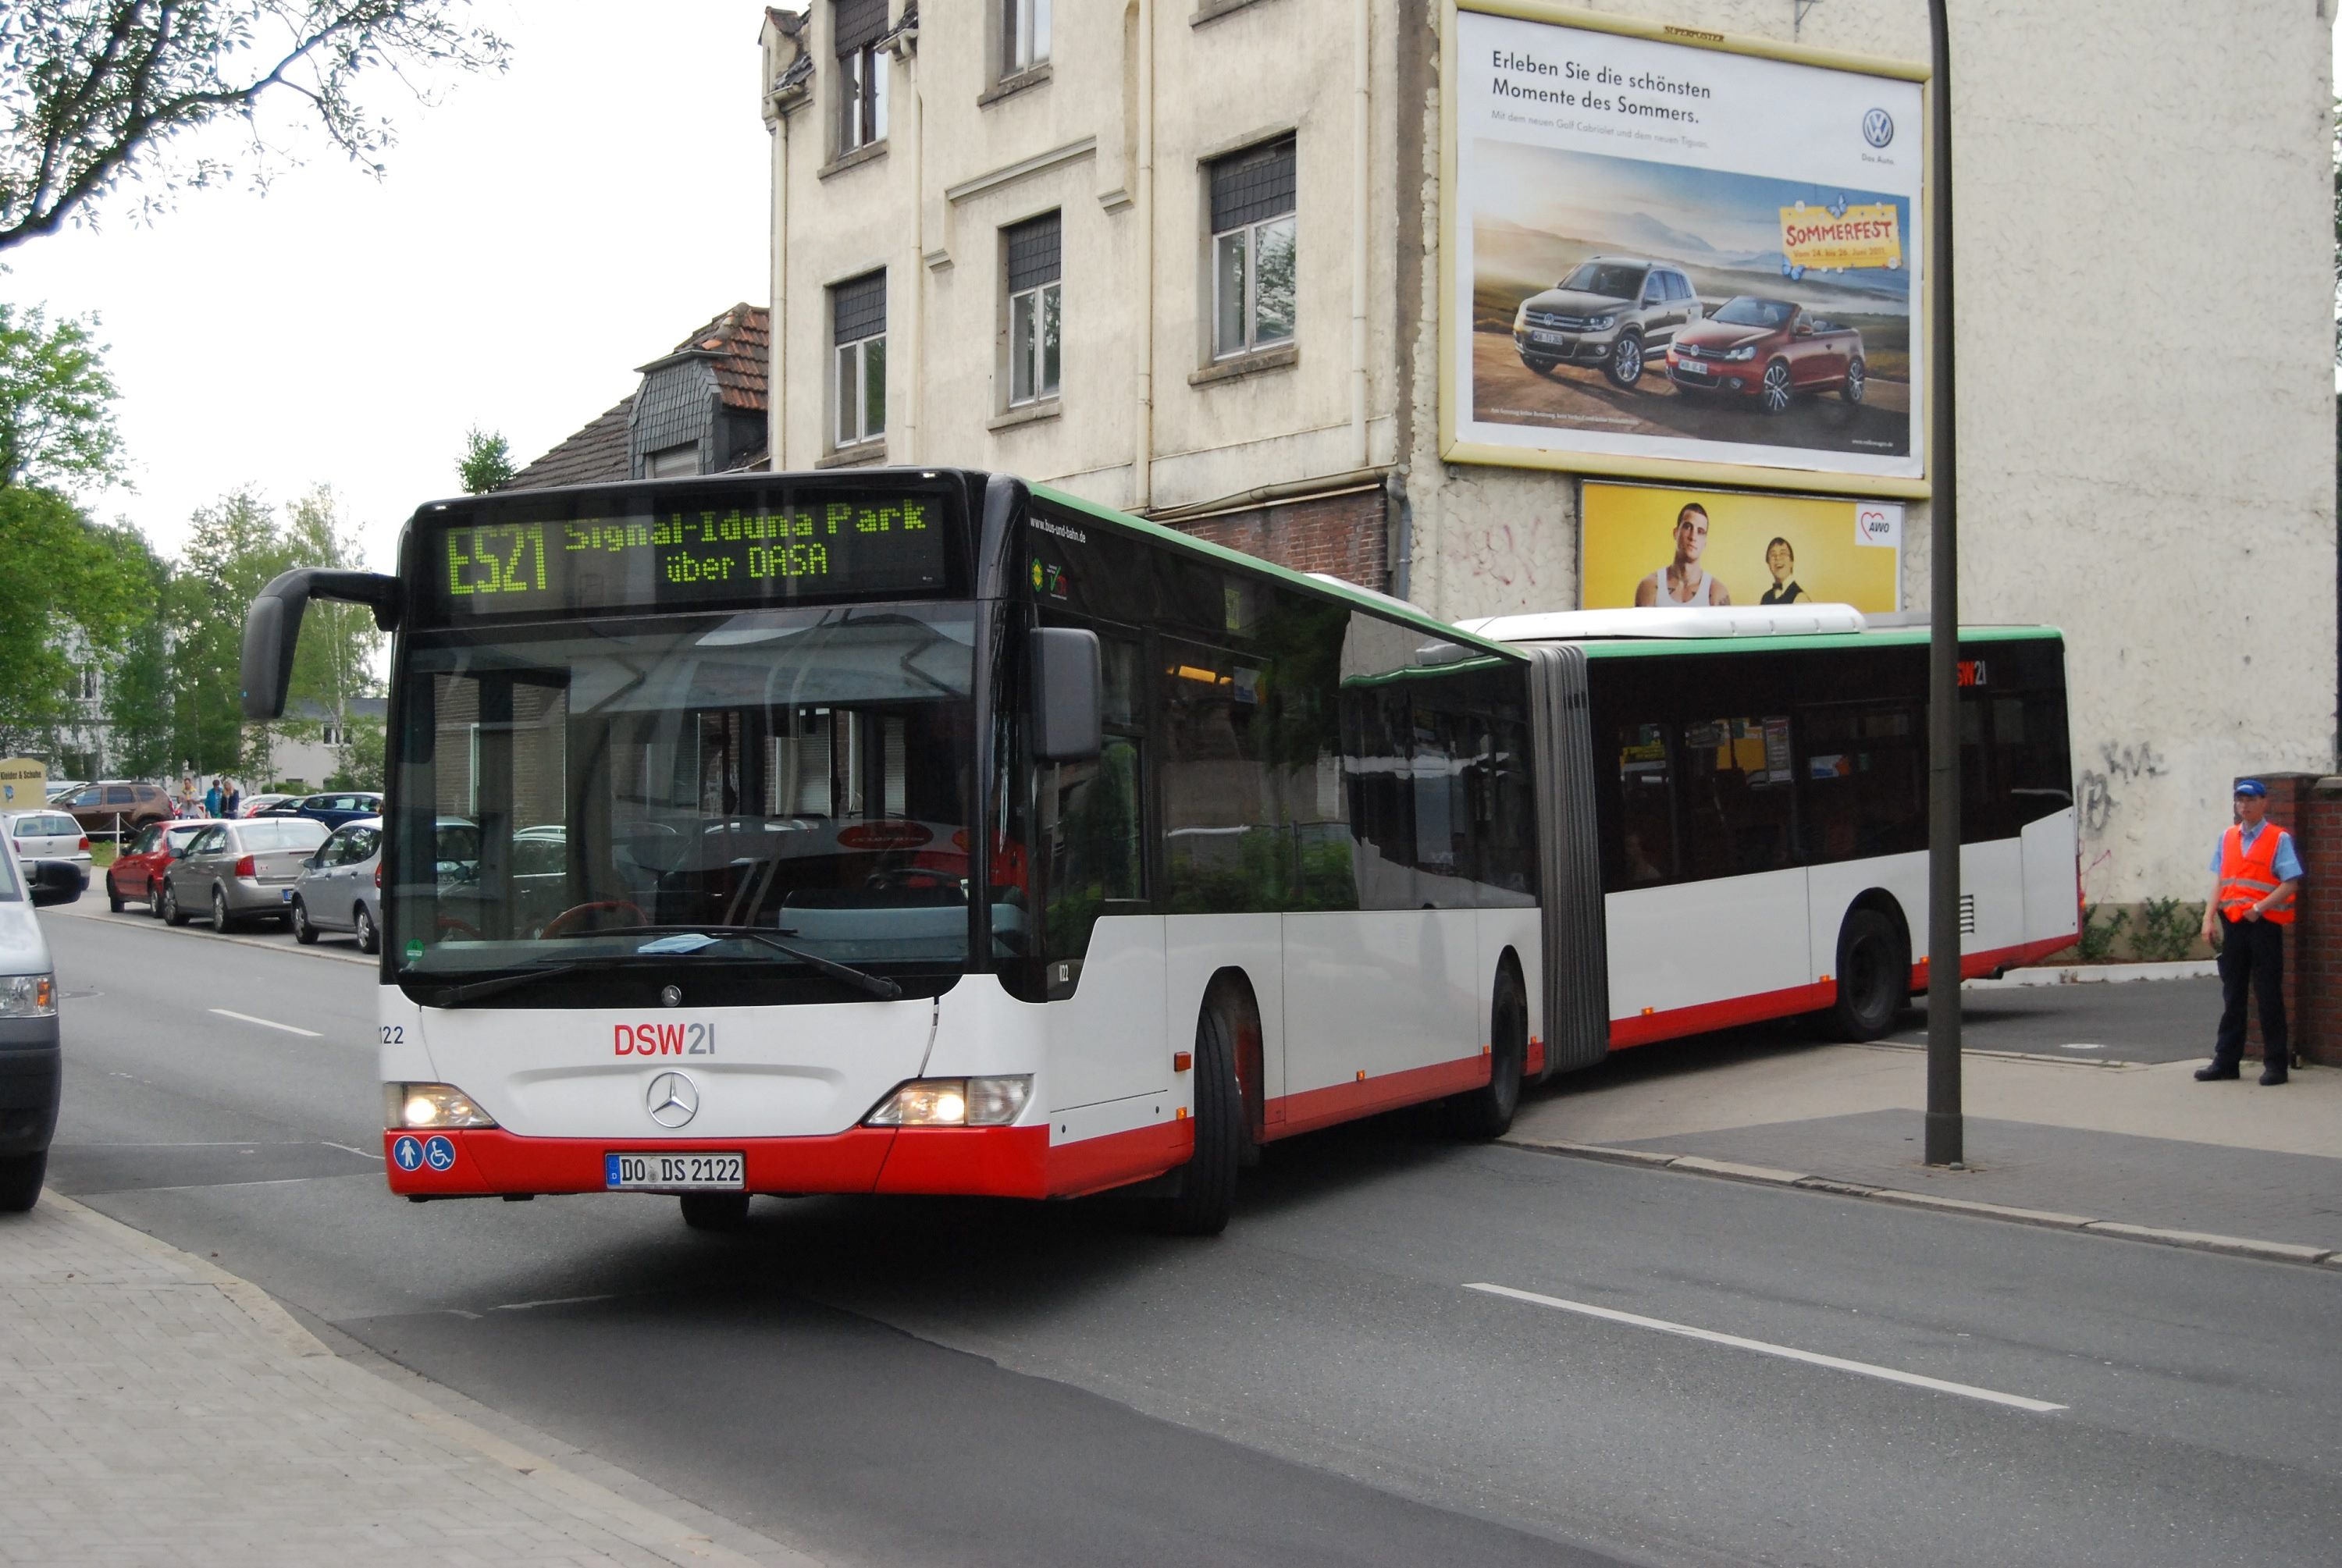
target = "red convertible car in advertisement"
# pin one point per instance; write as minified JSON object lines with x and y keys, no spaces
{"x":1770,"y":349}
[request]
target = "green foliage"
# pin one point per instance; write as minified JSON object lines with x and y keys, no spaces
{"x":93,"y":93}
{"x":56,"y":412}
{"x":486,"y":463}
{"x":2099,"y":938}
{"x":2167,"y":930}
{"x":72,"y":591}
{"x":364,"y":762}
{"x":139,"y":687}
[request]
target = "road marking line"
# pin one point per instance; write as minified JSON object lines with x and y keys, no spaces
{"x":345,"y":1148}
{"x":267,"y":1024}
{"x":551,"y":1301}
{"x":1887,"y":1373}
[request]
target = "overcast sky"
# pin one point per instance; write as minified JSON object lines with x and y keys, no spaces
{"x":537,"y":235}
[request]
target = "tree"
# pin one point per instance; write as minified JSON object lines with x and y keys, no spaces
{"x":488,"y":462}
{"x":94,"y":90}
{"x":138,"y":685}
{"x":56,"y":403}
{"x":70,"y":596}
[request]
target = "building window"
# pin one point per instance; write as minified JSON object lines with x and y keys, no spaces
{"x":1252,"y":249}
{"x":670,"y":462}
{"x":857,"y":316}
{"x":89,"y":683}
{"x":1024,"y":35}
{"x":1034,"y":264}
{"x":861,"y":73}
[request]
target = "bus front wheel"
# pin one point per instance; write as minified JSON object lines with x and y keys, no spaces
{"x":1204,"y":1190}
{"x":1488,"y":1112}
{"x":1874,"y":976}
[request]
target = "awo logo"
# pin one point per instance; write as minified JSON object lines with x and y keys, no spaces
{"x":1878,"y":524}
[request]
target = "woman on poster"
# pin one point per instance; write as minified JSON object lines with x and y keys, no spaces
{"x":1682,"y":581}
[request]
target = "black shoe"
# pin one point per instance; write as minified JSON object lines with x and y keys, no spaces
{"x":2215,"y":1071}
{"x":2272,"y":1076}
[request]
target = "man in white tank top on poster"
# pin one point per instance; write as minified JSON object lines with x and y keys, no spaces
{"x":1682,"y":581}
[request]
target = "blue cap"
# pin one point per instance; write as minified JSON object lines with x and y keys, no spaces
{"x":2253,"y":788}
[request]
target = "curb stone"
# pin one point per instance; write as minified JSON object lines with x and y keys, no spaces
{"x":108,"y":918}
{"x":639,"y":1525}
{"x":2080,"y":1224}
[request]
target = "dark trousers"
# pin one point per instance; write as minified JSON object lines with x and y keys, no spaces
{"x":2252,"y":953}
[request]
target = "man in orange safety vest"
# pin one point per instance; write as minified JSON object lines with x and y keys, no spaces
{"x":2256,"y":870}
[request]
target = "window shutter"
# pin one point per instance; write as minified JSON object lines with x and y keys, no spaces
{"x":1250,"y":185}
{"x":1035,"y":252}
{"x":858,"y":24}
{"x":858,"y":308}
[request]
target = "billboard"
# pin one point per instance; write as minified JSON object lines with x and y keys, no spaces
{"x":1671,"y":260}
{"x":1649,"y":545}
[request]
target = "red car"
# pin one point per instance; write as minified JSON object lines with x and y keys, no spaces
{"x":136,"y":874}
{"x":1769,"y":349}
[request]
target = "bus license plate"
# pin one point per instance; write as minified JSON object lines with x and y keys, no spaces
{"x":700,"y":1173}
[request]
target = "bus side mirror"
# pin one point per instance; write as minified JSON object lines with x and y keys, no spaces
{"x":1068,"y":693}
{"x":272,"y":627}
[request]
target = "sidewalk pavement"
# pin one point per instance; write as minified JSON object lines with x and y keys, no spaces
{"x":154,"y":1409}
{"x":2128,"y":1148}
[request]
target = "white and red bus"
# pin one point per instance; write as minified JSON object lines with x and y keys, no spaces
{"x":922,"y":832}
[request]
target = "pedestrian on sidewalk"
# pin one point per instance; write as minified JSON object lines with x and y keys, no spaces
{"x":2256,"y":870}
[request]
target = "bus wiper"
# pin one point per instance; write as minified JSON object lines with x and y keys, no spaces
{"x":876,"y":986}
{"x":456,"y":996}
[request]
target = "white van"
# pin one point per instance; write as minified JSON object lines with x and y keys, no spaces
{"x":30,"y":1066}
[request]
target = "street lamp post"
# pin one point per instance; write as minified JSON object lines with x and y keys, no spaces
{"x":1945,"y":1126}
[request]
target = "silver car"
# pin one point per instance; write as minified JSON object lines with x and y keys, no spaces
{"x":340,"y":886}
{"x":241,"y":870}
{"x":30,"y":1069}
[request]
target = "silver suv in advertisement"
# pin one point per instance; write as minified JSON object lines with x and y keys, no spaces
{"x":1611,"y":310}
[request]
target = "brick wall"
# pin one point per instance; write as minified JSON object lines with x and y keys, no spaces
{"x":1342,"y":535}
{"x":2310,"y":807}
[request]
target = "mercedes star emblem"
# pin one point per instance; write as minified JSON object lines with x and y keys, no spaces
{"x":672,"y":1099}
{"x":672,"y":996}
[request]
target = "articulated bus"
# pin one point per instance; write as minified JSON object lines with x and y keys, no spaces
{"x":924,"y":832}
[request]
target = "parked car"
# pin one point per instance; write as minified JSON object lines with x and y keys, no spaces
{"x":333,"y":808}
{"x":255,"y":804}
{"x":118,"y":804}
{"x":61,"y":787}
{"x":1610,"y":311}
{"x":340,"y":886}
{"x":1770,"y":349}
{"x":241,"y":870}
{"x":49,"y":835}
{"x":136,"y":874}
{"x":31,"y":1069}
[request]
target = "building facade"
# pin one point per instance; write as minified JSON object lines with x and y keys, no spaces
{"x":1191,"y":258}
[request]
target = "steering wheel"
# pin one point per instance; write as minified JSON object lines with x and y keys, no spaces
{"x":448,"y":925}
{"x":562,"y":923}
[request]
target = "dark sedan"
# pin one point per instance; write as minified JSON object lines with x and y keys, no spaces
{"x":335,"y":808}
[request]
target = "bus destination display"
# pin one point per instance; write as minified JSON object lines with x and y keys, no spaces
{"x":842,"y":546}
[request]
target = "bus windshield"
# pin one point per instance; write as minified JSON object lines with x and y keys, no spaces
{"x":692,"y":788}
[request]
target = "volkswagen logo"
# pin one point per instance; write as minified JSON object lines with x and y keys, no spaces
{"x":1878,"y":127}
{"x":671,"y":1100}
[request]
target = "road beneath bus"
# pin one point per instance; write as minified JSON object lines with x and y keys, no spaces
{"x":947,"y":1382}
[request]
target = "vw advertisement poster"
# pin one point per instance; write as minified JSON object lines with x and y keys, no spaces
{"x":1648,"y":544}
{"x":1668,"y":253}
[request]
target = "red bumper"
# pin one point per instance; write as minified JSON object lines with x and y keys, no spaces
{"x":984,"y":1161}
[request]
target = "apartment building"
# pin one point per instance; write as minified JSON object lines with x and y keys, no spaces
{"x":1241,"y":266}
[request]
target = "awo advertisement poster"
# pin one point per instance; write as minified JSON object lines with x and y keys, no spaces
{"x":1665,"y":252}
{"x":1648,"y":545}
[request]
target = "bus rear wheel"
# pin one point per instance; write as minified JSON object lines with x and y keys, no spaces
{"x":1204,"y":1191}
{"x":715,"y":1211}
{"x":1488,"y":1112}
{"x":1874,"y":976}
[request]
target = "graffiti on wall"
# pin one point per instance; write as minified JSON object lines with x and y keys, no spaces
{"x":2094,"y":798}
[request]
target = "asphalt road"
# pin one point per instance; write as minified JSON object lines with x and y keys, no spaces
{"x":1580,"y":396}
{"x":912,"y":1383}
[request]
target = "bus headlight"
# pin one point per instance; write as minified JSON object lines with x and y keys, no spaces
{"x":28,"y":996}
{"x":433,"y":1105}
{"x":953,"y":1103}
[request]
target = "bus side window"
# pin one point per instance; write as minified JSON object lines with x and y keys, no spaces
{"x":1646,"y":833}
{"x":1225,"y":848}
{"x":1737,"y":795}
{"x":1863,"y":775}
{"x":1092,"y":829}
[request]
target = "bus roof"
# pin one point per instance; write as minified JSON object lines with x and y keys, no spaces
{"x":1317,"y":583}
{"x":1629,"y":634}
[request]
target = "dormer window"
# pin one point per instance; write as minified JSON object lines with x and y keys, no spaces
{"x":861,"y":73}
